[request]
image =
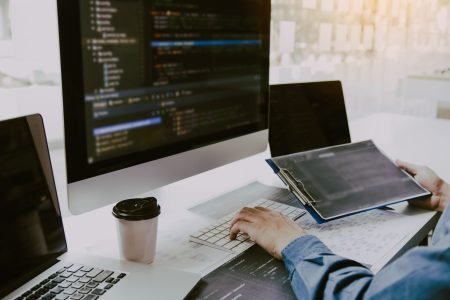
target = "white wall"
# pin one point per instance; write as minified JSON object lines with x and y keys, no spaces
{"x":29,"y":64}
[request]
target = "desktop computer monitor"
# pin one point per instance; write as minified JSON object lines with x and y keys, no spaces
{"x":155,"y":91}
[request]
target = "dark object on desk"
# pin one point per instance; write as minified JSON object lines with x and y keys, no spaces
{"x":137,"y":209}
{"x":342,"y":180}
{"x":305,"y":116}
{"x":252,"y":275}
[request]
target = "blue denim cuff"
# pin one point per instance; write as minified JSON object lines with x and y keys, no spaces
{"x":301,"y":248}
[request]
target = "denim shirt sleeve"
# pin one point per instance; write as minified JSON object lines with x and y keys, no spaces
{"x":421,"y":273}
{"x":317,"y":273}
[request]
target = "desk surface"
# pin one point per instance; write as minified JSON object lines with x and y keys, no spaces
{"x":411,"y":139}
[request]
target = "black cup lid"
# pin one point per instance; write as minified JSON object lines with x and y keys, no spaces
{"x":137,"y":209}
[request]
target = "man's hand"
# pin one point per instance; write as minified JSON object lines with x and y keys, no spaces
{"x":431,"y":181}
{"x":270,"y":229}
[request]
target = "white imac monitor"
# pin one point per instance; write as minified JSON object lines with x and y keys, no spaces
{"x":155,"y":91}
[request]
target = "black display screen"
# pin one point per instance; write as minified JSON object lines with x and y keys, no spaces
{"x":306,"y":116}
{"x":31,"y":230}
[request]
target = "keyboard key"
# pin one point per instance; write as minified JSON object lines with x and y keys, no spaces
{"x":197,"y":234}
{"x":242,"y":237}
{"x":48,"y":297}
{"x":94,"y":273}
{"x":86,"y":269}
{"x":77,"y":285}
{"x":90,"y":297}
{"x":74,"y":268}
{"x":41,"y":291}
{"x":92,"y":285}
{"x":223,"y":241}
{"x":36,"y":287}
{"x":69,"y":291}
{"x":102,"y":276}
{"x":289,"y":210}
{"x":79,"y":273}
{"x":98,"y":292}
{"x":213,"y":239}
{"x":84,"y":279}
{"x":50,"y":285}
{"x":108,"y":286}
{"x":65,"y":284}
{"x":232,"y":244}
{"x":223,"y":227}
{"x":68,"y":265}
{"x":109,"y":280}
{"x":56,"y":290}
{"x":77,"y":297}
{"x":276,"y":206}
{"x":203,"y":237}
{"x":259,"y":202}
{"x":61,"y":297}
{"x":72,"y":278}
{"x":85,"y":290}
{"x":65,"y":274}
{"x":122,"y":275}
{"x":208,"y":234}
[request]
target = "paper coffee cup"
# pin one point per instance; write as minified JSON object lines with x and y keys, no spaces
{"x":137,"y":227}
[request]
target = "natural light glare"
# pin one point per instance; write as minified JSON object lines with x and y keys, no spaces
{"x":388,"y":53}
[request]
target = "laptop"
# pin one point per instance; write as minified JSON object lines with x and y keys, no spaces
{"x":306,"y":116}
{"x":34,"y":260}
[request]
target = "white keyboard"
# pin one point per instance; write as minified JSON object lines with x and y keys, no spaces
{"x":217,"y":234}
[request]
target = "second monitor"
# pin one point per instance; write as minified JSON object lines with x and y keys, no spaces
{"x":305,"y":116}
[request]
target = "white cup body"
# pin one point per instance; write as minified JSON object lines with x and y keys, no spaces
{"x":137,"y":239}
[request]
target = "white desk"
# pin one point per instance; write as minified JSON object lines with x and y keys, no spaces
{"x":398,"y":136}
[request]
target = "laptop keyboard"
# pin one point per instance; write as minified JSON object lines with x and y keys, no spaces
{"x":74,"y":282}
{"x":217,"y":234}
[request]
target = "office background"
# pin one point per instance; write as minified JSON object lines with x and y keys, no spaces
{"x":311,"y":40}
{"x":392,"y":55}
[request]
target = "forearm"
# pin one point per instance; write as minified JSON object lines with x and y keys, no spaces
{"x":421,"y":273}
{"x":317,"y":273}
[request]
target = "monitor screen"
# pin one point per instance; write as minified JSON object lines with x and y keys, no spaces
{"x":306,"y":116}
{"x":144,"y":80}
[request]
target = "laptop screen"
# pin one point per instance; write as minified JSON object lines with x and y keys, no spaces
{"x":31,"y":230}
{"x":306,"y":116}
